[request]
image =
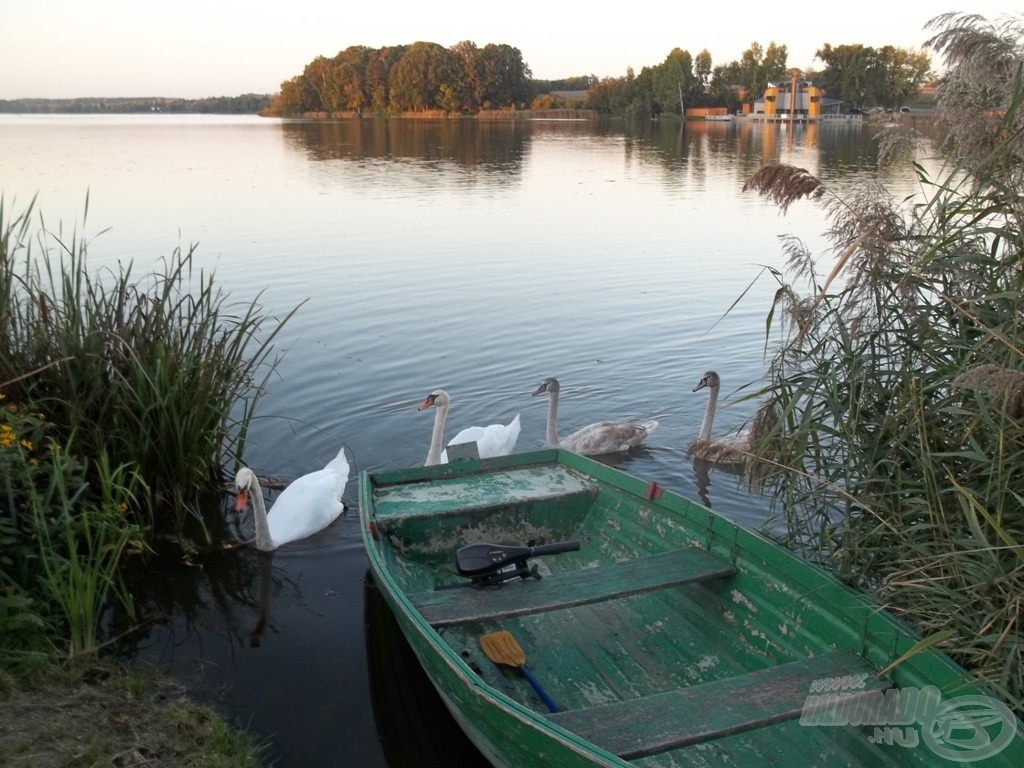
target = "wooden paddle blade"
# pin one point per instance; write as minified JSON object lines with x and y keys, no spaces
{"x":501,"y":648}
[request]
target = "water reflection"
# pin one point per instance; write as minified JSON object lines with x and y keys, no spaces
{"x":702,"y":473}
{"x":476,"y":256}
{"x":178,"y":601}
{"x":466,"y":143}
{"x":266,"y":566}
{"x":276,"y":640}
{"x":414,"y":727}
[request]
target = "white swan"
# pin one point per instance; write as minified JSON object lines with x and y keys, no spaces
{"x":309,"y":503}
{"x":493,"y":440}
{"x":598,"y":438}
{"x":731,"y":448}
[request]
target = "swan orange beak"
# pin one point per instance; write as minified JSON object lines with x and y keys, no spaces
{"x":426,"y":403}
{"x":241,"y":501}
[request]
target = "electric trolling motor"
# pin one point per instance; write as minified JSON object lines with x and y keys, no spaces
{"x":494,"y":564}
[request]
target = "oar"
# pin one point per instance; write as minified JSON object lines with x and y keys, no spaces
{"x":502,"y":648}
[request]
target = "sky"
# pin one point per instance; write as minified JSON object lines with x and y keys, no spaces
{"x":194,"y":49}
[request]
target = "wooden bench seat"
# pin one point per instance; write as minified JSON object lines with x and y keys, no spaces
{"x":567,"y":589}
{"x":653,"y":724}
{"x":491,"y":493}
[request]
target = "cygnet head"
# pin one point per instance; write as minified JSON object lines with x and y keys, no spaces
{"x":438,"y":397}
{"x":709,"y":379}
{"x":549,"y":384}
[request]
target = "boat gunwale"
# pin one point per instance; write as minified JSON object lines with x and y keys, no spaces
{"x":883,"y":640}
{"x":472,"y":681}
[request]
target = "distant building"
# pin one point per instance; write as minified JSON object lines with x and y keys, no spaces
{"x":571,"y":96}
{"x":793,"y":99}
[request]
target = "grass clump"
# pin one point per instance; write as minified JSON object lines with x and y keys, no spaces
{"x":159,"y":373}
{"x":107,"y":716}
{"x":122,"y":400}
{"x":899,"y":377}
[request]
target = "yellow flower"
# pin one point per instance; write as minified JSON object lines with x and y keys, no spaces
{"x":7,"y":436}
{"x":33,"y":463}
{"x":42,"y":416}
{"x":2,"y":395}
{"x":26,"y":445}
{"x":123,"y":507}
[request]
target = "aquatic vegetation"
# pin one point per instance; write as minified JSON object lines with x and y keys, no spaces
{"x":896,"y":460}
{"x":158,"y":372}
{"x":123,"y":400}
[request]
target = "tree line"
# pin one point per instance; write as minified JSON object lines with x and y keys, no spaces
{"x":465,"y":79}
{"x":246,"y":104}
{"x":861,"y":76}
{"x":462,"y":79}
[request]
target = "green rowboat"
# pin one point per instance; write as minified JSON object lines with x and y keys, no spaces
{"x":570,"y":614}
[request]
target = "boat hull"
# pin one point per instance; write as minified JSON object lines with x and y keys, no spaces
{"x":671,"y":637}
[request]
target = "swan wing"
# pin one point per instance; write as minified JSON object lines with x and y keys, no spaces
{"x":739,"y":440}
{"x":608,"y":437}
{"x":492,"y":440}
{"x":729,"y":449}
{"x":308,"y":505}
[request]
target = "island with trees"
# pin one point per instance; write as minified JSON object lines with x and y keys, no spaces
{"x":424,"y":79}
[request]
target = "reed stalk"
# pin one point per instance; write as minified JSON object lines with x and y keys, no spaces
{"x":899,"y":381}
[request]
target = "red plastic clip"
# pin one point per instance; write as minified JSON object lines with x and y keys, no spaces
{"x":653,"y":491}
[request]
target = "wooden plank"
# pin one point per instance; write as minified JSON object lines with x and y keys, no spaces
{"x":653,"y":724}
{"x":568,"y":589}
{"x":475,"y":493}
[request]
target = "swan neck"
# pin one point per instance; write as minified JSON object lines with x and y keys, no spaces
{"x":259,"y":517}
{"x":434,"y":454}
{"x":709,"y":415}
{"x":552,"y":429}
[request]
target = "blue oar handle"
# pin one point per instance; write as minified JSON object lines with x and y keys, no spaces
{"x":537,"y":687}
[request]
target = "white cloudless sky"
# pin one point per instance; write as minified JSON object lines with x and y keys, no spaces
{"x":194,"y":49}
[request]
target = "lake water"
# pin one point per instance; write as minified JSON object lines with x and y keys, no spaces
{"x":475,"y":257}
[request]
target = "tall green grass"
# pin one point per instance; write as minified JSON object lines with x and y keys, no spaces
{"x":898,"y":380}
{"x":82,"y":544}
{"x":65,"y":531}
{"x":159,"y":372}
{"x":124,"y":398}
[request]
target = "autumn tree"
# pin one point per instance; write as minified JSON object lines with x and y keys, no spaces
{"x":349,"y":78}
{"x":474,"y":75}
{"x":318,"y":76}
{"x":506,"y":76}
{"x":608,"y":96}
{"x":378,"y":77}
{"x":293,"y":99}
{"x":418,"y":77}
